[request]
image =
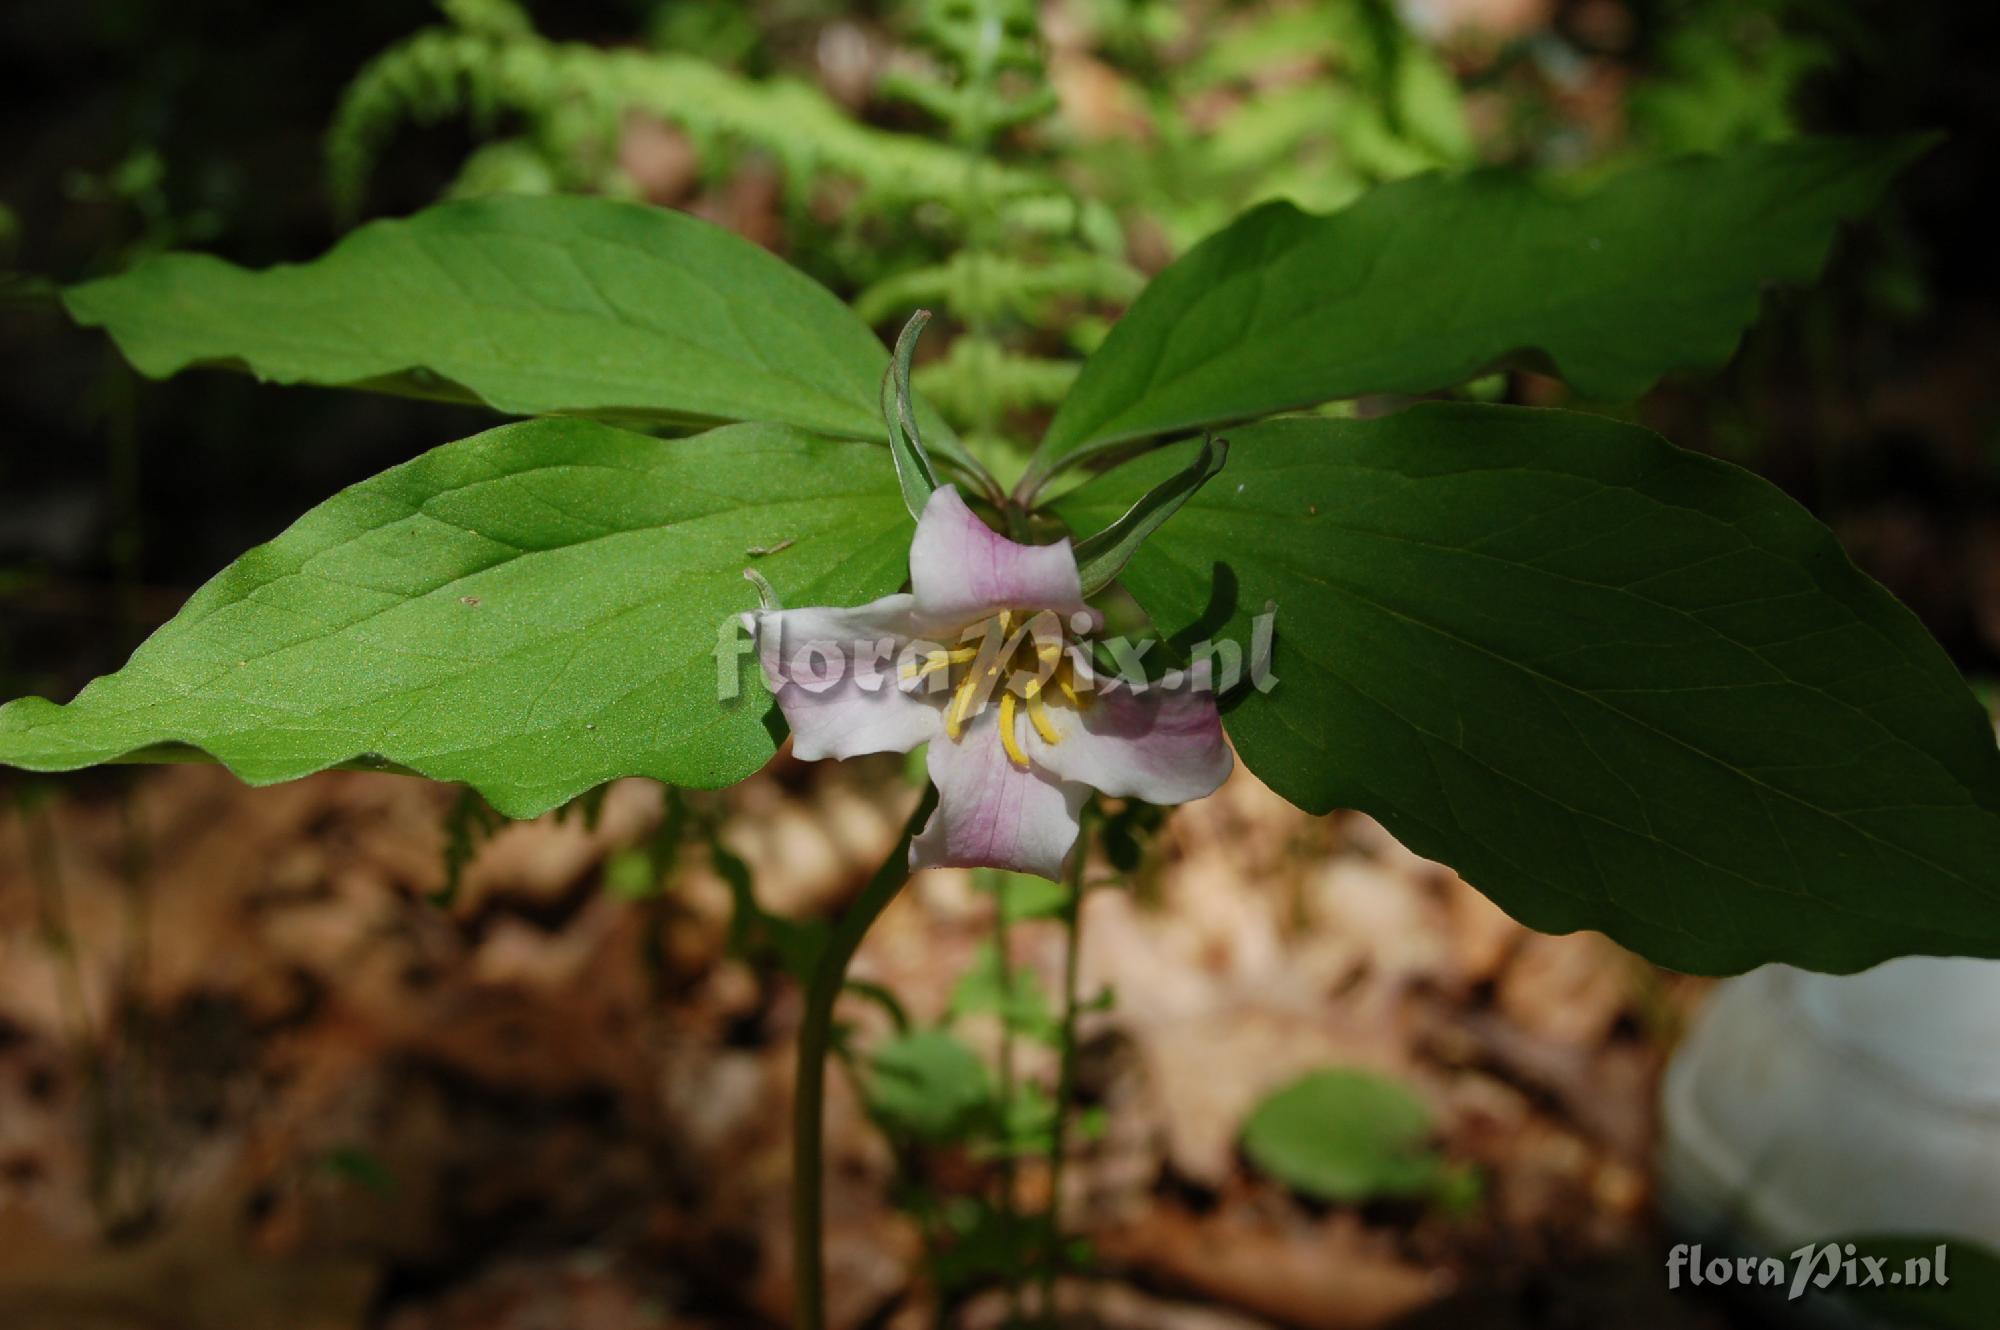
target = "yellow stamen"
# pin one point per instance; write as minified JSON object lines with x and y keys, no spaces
{"x":1038,"y":713}
{"x":969,"y":691}
{"x":937,"y":660}
{"x":954,"y":720}
{"x":1007,"y":740}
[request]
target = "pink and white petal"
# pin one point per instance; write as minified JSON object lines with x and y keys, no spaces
{"x":846,"y":722}
{"x":993,"y":814}
{"x":1164,"y":745}
{"x":962,"y":571}
{"x":833,"y":670}
{"x":783,"y":635}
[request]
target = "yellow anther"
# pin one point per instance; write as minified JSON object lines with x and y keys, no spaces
{"x":1007,"y":740}
{"x":937,"y":660}
{"x":1022,"y":673}
{"x":960,"y":709}
{"x":1038,"y":714}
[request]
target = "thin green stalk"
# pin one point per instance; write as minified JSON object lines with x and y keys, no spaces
{"x":1066,"y":1071}
{"x":1010,"y":1212}
{"x":815,"y":1039}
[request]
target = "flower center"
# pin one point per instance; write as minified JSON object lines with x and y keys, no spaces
{"x":1021,"y":655}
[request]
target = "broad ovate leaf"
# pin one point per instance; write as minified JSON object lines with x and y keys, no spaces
{"x":1617,"y":685}
{"x":1345,"y":1135}
{"x":556,"y":305}
{"x":1426,"y":283}
{"x":533,"y":611}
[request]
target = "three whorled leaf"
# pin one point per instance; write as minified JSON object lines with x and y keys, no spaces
{"x":1428,"y":282}
{"x":534,"y":306}
{"x":1615,"y":684}
{"x":533,"y":611}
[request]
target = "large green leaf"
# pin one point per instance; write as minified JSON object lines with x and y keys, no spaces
{"x":1426,"y":283}
{"x":1616,"y":685}
{"x":533,"y":611}
{"x":531,"y":305}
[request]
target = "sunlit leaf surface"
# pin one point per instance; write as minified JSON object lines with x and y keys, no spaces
{"x":1428,"y":282}
{"x":532,"y":611}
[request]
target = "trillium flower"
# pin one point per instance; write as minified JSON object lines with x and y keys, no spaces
{"x":985,"y":659}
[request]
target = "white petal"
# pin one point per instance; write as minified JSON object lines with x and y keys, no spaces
{"x":834,"y":673}
{"x":1164,"y":745}
{"x":993,"y":814}
{"x":962,"y":571}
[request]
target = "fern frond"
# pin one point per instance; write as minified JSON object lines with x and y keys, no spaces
{"x":573,"y":96}
{"x":978,"y":376}
{"x":986,"y":285}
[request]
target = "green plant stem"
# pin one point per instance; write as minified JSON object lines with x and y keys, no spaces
{"x":1010,"y":1213}
{"x":809,"y":1095}
{"x":1066,"y":1068}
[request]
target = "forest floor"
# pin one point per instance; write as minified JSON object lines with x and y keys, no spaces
{"x":253,"y":1075}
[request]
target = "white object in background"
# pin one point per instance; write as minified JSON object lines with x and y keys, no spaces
{"x":1806,"y":1106}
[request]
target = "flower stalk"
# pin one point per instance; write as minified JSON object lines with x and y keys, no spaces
{"x":1072,"y":920}
{"x":829,"y":977}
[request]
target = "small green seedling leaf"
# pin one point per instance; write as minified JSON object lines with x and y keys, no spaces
{"x":1345,"y":1136}
{"x":928,"y":1085}
{"x":1100,"y":558}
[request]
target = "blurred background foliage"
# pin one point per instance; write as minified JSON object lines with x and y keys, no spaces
{"x":1021,"y":168}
